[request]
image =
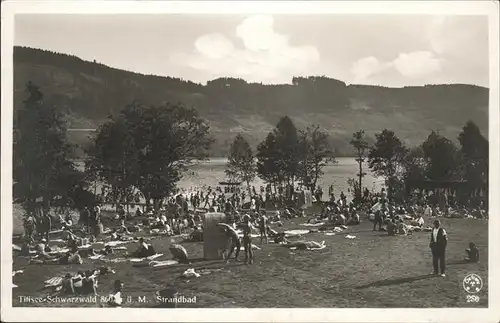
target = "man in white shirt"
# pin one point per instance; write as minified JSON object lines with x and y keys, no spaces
{"x":438,"y":244}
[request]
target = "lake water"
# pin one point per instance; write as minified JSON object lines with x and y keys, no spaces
{"x":211,"y":172}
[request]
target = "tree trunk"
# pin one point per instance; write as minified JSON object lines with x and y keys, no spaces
{"x":359,"y":194}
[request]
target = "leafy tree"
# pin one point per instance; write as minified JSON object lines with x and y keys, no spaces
{"x":278,"y":155}
{"x":114,"y":158}
{"x":386,"y":159}
{"x":287,"y":148}
{"x":268,"y":163}
{"x":149,"y":147}
{"x":169,"y":138}
{"x":42,"y":166}
{"x":359,"y":143}
{"x":441,"y":155}
{"x":241,"y":162}
{"x":474,"y":151}
{"x":315,"y":153}
{"x":415,"y":164}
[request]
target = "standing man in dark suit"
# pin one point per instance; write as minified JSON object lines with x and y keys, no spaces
{"x":438,"y":243}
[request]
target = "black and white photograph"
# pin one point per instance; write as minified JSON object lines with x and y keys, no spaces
{"x":260,"y":159}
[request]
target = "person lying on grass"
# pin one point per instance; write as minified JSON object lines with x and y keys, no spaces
{"x":472,"y":253}
{"x":106,"y":251}
{"x":314,"y":220}
{"x":144,"y":250}
{"x":42,"y":250}
{"x":303,"y":245}
{"x":83,"y":282}
{"x":179,"y":252}
{"x":71,"y":258}
{"x":280,"y":238}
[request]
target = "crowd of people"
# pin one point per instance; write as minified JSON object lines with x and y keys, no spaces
{"x":247,"y":211}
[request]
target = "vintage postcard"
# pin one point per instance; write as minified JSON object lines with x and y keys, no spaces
{"x":250,"y":161}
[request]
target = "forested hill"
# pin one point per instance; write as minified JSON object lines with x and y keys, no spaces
{"x":88,"y":92}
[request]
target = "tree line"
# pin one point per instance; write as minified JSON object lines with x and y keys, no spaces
{"x":437,"y":159}
{"x":288,"y":155}
{"x":147,"y":148}
{"x":143,"y":148}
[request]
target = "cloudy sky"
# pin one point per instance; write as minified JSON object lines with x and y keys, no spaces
{"x":389,"y":50}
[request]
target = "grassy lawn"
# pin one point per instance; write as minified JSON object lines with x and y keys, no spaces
{"x":373,"y":270}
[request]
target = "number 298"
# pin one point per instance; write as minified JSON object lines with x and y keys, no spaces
{"x":472,"y":299}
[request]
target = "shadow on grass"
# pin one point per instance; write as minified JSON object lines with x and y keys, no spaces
{"x":461,"y":262}
{"x":397,"y":281}
{"x":190,"y":241}
{"x":201,"y":263}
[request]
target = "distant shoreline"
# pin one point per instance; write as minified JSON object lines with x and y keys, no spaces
{"x":77,"y":159}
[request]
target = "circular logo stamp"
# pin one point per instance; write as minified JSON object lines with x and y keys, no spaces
{"x":472,"y":283}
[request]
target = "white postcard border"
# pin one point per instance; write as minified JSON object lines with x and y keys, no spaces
{"x":10,"y":314}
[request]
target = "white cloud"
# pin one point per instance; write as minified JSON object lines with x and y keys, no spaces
{"x":214,"y":46}
{"x":417,"y":64}
{"x":258,"y":34}
{"x":366,"y":67}
{"x":267,"y":56}
{"x":414,"y":65}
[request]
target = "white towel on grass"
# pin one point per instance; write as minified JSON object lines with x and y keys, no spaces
{"x":313,"y":224}
{"x":165,"y":263}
